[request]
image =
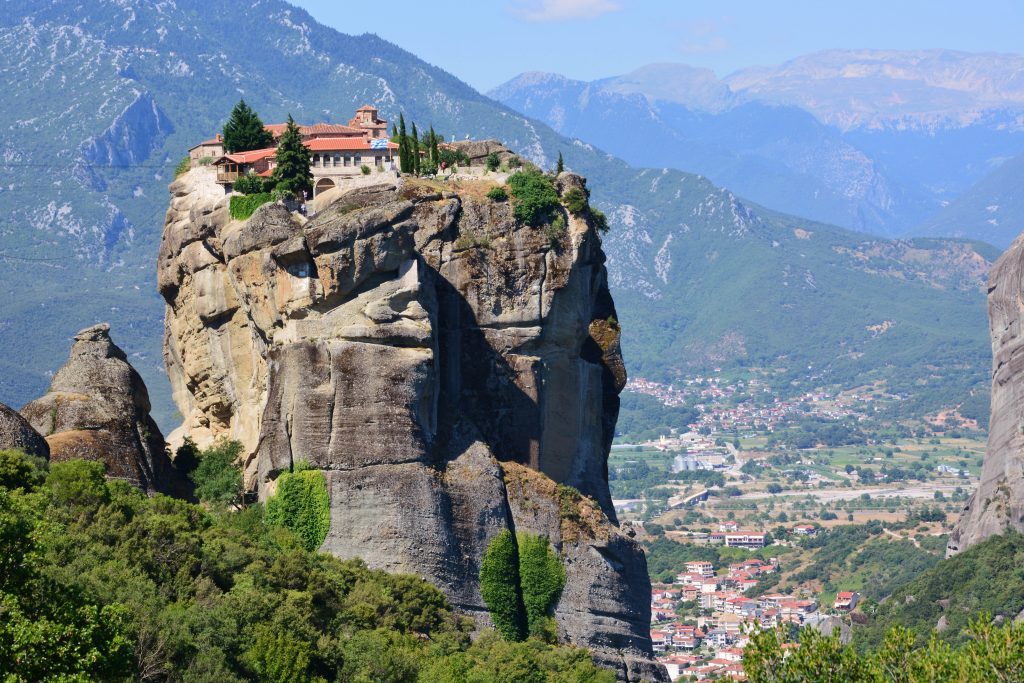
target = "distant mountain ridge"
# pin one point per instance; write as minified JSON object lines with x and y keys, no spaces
{"x":912,"y":89}
{"x":876,"y":141}
{"x":992,"y":209}
{"x":104,"y":99}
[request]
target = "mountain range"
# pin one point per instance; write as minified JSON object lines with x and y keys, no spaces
{"x":872,"y":140}
{"x":103,"y":100}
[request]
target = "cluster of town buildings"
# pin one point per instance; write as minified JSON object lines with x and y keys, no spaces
{"x":338,"y":151}
{"x":711,"y":396}
{"x":707,"y":641}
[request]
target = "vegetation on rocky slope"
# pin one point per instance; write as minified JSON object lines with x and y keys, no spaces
{"x":985,"y":579}
{"x":100,"y":582}
{"x":992,"y":654}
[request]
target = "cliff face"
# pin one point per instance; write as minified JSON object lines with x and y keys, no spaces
{"x":97,"y":408}
{"x":445,"y":368}
{"x":998,"y":503}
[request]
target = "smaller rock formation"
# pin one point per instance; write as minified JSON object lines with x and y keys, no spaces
{"x":478,"y":150}
{"x":17,"y":433}
{"x":97,"y":408}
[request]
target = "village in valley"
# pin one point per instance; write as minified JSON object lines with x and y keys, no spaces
{"x":740,"y":504}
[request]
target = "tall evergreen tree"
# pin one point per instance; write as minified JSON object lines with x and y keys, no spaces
{"x":561,"y":164}
{"x":415,"y":150}
{"x":404,"y":158}
{"x":394,"y":131}
{"x":244,"y":130}
{"x":435,"y":156}
{"x":292,"y":172}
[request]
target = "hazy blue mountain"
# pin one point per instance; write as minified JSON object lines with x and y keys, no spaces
{"x":104,"y":98}
{"x":992,"y":210}
{"x":905,"y":89}
{"x":870,"y":140}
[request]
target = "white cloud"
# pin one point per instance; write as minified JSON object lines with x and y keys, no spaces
{"x":561,"y":10}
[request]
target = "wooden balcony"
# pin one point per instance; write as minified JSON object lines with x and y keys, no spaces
{"x":224,"y":176}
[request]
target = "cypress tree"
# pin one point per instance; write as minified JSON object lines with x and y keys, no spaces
{"x":244,"y":130}
{"x":292,"y":172}
{"x":561,"y":164}
{"x":394,"y":132}
{"x":415,"y":150}
{"x":435,"y":156}
{"x":542,"y":577}
{"x":499,"y":586}
{"x":403,"y":147}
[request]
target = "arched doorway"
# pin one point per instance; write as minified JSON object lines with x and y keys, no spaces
{"x":322,"y":185}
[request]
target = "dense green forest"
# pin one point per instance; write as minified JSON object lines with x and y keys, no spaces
{"x":100,"y":582}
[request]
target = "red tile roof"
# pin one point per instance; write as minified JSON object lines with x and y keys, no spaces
{"x":277,"y":129}
{"x":342,"y":144}
{"x":248,"y":157}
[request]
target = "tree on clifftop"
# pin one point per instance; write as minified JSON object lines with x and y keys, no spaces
{"x":415,"y":150}
{"x":244,"y":130}
{"x":292,"y":172}
{"x":404,"y":157}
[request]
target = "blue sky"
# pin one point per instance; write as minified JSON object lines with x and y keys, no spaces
{"x":486,"y":42}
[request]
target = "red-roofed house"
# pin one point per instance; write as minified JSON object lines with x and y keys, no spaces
{"x":847,"y":600}
{"x":231,"y":166}
{"x":745,"y":540}
{"x":704,"y":569}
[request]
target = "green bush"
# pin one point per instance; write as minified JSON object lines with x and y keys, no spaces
{"x":500,"y":586}
{"x":515,"y":162}
{"x":535,"y":197}
{"x":492,"y":161}
{"x":20,"y":470}
{"x":302,"y":505}
{"x":555,"y":230}
{"x":451,"y":157}
{"x":278,"y":656}
{"x":575,"y":200}
{"x":78,"y":486}
{"x":243,"y":207}
{"x":497,"y":194}
{"x":217,"y":476}
{"x":183,"y":166}
{"x":250,"y":183}
{"x":365,"y":169}
{"x":599,"y":220}
{"x":542,"y":578}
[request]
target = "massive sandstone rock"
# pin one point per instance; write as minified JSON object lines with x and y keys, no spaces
{"x":998,"y":503}
{"x":97,"y":408}
{"x":446,"y":368}
{"x":17,"y":433}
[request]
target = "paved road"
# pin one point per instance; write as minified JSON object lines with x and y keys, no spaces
{"x":915,"y":491}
